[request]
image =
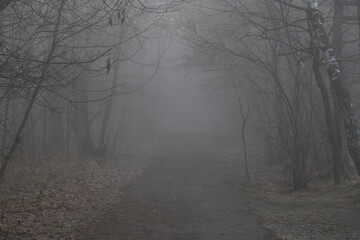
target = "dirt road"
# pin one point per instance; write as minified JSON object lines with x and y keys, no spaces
{"x":184,"y":196}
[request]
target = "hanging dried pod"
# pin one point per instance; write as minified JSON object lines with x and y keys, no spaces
{"x":110,"y":21}
{"x":122,"y":16}
{"x":118,"y":15}
{"x":108,"y":66}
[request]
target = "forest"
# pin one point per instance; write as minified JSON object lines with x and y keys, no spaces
{"x":179,"y":119}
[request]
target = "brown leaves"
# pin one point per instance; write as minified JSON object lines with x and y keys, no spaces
{"x":309,"y":214}
{"x":56,"y":209}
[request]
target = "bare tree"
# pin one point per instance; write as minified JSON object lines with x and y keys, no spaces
{"x":245,"y":114}
{"x":49,"y":58}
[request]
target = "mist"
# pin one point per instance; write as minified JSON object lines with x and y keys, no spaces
{"x":175,"y":119}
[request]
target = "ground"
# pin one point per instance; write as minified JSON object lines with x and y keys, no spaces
{"x":197,"y":193}
{"x":57,"y":201}
{"x":185,"y":196}
{"x":323,"y":211}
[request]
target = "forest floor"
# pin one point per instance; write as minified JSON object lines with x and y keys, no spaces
{"x":57,"y":201}
{"x":179,"y":194}
{"x":323,"y":211}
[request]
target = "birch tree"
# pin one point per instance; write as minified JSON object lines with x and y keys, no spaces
{"x":341,"y":93}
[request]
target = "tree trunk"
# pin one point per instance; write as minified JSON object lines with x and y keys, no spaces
{"x":333,"y":139}
{"x":340,"y":168}
{"x":107,"y":112}
{"x":6,"y":118}
{"x":56,"y":129}
{"x":4,"y":4}
{"x":82,"y":129}
{"x":342,"y":94}
{"x":243,"y":128}
{"x":117,"y":133}
{"x":45,"y":144}
{"x":358,"y":19}
{"x":244,"y":117}
{"x":299,"y":178}
{"x":68,"y":133}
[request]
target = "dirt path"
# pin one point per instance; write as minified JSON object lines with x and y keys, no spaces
{"x":185,"y":196}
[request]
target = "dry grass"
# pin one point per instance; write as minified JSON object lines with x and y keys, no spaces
{"x":324,"y":211}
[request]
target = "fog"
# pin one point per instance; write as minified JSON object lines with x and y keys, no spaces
{"x":175,"y":119}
